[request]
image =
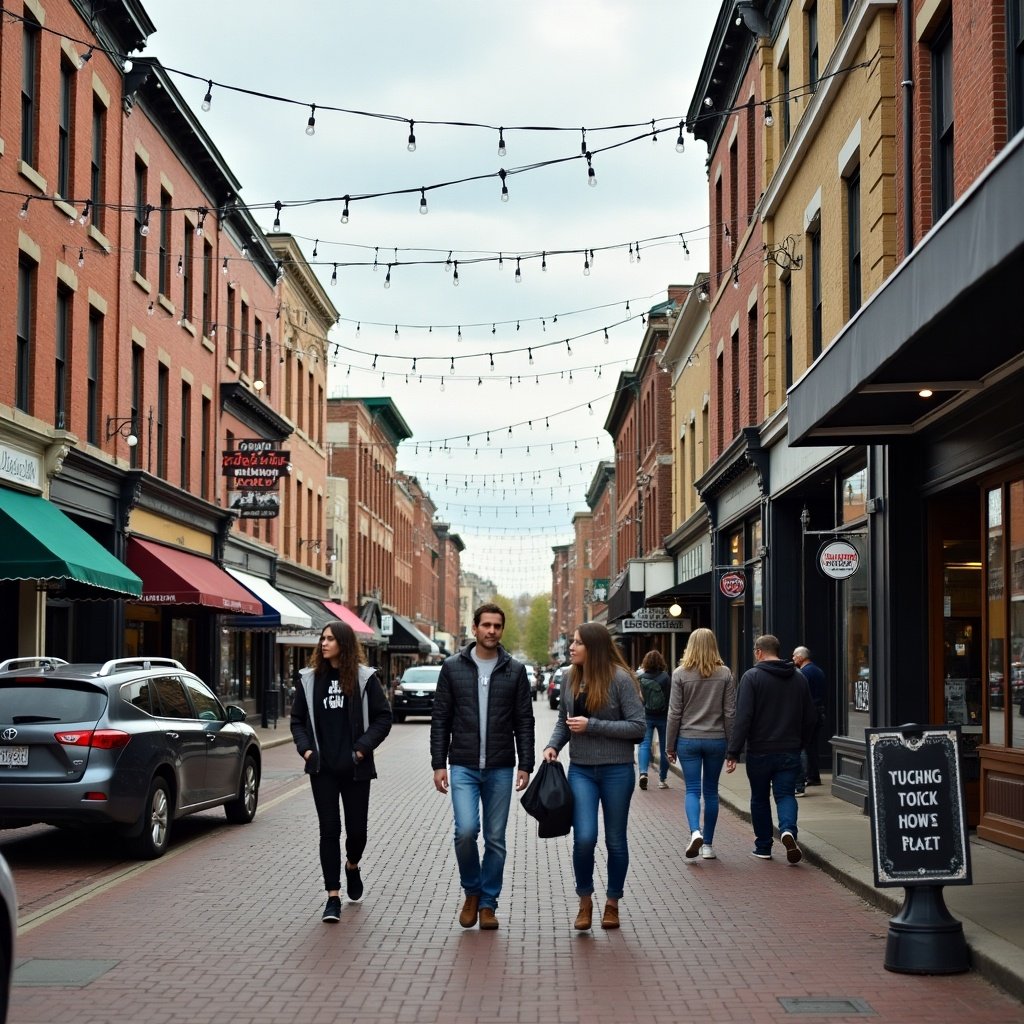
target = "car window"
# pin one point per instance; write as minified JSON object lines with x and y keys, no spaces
{"x":49,"y":702}
{"x":208,"y":708}
{"x":425,"y":674}
{"x":170,"y":694}
{"x":139,"y":695}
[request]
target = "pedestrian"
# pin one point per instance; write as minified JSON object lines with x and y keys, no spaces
{"x":601,"y":717}
{"x":655,"y":687}
{"x":810,"y":772}
{"x":482,"y":726}
{"x":339,"y":717}
{"x":701,"y":712}
{"x":774,"y":718}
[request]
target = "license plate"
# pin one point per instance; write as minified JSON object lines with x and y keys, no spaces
{"x":13,"y":757}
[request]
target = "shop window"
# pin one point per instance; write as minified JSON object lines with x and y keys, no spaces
{"x":942,"y":121}
{"x":1015,"y":63}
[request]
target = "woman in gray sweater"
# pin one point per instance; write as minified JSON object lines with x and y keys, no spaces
{"x":601,"y":717}
{"x":701,"y":712}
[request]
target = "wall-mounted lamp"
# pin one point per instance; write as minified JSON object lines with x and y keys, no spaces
{"x":257,"y":384}
{"x":675,"y":610}
{"x":125,"y":426}
{"x":312,"y":543}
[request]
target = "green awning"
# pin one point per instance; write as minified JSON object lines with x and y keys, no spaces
{"x":39,"y":542}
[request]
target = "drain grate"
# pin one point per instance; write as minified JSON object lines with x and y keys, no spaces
{"x":812,"y":1006}
{"x":66,"y":973}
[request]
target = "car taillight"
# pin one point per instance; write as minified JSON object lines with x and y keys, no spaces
{"x":102,"y":739}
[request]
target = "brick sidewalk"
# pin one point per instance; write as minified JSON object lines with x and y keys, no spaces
{"x":229,"y":928}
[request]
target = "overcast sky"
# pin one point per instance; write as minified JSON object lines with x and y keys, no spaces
{"x":542,"y":63}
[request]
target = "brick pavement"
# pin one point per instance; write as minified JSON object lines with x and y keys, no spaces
{"x":226,"y":927}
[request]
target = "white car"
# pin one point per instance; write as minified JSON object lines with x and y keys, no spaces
{"x":8,"y":927}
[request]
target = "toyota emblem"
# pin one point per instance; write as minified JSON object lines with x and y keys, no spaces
{"x":9,"y":734}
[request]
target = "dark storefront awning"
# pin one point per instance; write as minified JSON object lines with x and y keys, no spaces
{"x":696,"y":589}
{"x":366,"y":633}
{"x":41,"y":543}
{"x":172,"y":576}
{"x":407,"y":639}
{"x":948,"y":320}
{"x":275,"y":610}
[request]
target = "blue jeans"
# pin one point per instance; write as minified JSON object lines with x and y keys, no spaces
{"x":611,"y":786}
{"x":772,"y":774}
{"x":471,"y":788}
{"x":644,"y":754}
{"x":702,"y":762}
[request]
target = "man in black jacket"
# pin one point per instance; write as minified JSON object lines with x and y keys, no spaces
{"x":482,"y":725}
{"x":774,"y":719}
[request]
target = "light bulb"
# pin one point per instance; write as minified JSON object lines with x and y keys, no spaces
{"x":680,"y":142}
{"x":423,"y":201}
{"x":334,"y":274}
{"x":501,"y":142}
{"x":208,"y":98}
{"x":387,"y":281}
{"x":131,"y":440}
{"x":344,"y":212}
{"x":591,"y":177}
{"x":144,"y":230}
{"x":128,"y":64}
{"x":257,"y":385}
{"x":81,"y":257}
{"x":708,"y":101}
{"x":769,"y":118}
{"x":411,"y":146}
{"x":23,"y":213}
{"x":311,"y":123}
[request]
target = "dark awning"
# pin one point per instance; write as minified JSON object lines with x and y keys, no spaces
{"x":695,"y":589}
{"x":947,"y":319}
{"x":407,"y":639}
{"x":173,"y":576}
{"x":41,"y":543}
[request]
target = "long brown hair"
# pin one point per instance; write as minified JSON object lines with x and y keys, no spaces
{"x":653,"y":662}
{"x":603,"y":658}
{"x":701,"y":654}
{"x":350,"y":656}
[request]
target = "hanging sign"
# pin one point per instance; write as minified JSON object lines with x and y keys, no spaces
{"x":838,"y":559}
{"x":733,"y":584}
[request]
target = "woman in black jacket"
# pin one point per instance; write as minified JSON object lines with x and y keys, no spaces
{"x":339,"y":716}
{"x":656,"y":686}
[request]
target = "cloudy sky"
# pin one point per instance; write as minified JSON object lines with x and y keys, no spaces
{"x":534,"y":420}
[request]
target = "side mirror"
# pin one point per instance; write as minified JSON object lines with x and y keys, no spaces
{"x":235,"y":713}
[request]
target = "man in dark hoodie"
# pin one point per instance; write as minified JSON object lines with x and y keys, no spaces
{"x":774,"y":720}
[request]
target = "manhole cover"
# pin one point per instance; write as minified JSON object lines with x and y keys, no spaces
{"x":70,"y":973}
{"x":826,"y":1007}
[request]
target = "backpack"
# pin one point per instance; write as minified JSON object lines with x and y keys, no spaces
{"x":653,"y":693}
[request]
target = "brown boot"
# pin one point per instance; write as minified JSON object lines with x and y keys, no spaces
{"x":611,"y":916}
{"x":584,"y":917}
{"x":488,"y":922}
{"x":469,"y":911}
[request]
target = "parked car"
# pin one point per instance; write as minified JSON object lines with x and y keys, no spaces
{"x":8,"y":929}
{"x":134,"y":744}
{"x":414,"y":692}
{"x":555,"y":686}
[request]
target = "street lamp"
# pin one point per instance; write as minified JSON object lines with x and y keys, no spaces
{"x":125,"y":426}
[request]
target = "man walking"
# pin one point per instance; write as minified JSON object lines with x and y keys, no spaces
{"x":810,"y":773}
{"x":482,"y":725}
{"x":774,"y":718}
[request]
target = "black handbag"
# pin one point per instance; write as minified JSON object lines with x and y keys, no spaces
{"x":548,"y":798}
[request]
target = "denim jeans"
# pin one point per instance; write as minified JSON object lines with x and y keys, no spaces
{"x":702,"y":762}
{"x":471,"y":788}
{"x":772,"y":774}
{"x":611,"y":787}
{"x":644,"y":753}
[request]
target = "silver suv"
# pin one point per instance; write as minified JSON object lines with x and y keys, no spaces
{"x":132,"y":744}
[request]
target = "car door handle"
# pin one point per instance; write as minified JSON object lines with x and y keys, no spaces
{"x":211,"y":736}
{"x":173,"y":736}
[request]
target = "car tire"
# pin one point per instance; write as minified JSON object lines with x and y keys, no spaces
{"x":154,"y":823}
{"x":398,"y":717}
{"x":242,"y":809}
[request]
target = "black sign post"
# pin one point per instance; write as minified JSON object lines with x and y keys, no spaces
{"x":919,"y":841}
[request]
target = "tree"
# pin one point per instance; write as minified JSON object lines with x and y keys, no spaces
{"x":537,"y":626}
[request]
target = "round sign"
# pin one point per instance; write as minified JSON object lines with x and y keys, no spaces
{"x":838,"y":559}
{"x":732,"y":584}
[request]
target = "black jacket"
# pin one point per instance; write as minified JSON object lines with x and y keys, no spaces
{"x":365,"y":738}
{"x":455,"y":722}
{"x":774,"y":710}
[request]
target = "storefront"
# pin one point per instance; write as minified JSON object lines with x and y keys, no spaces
{"x":927,"y":378}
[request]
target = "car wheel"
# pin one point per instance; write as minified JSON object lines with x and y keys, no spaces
{"x":242,"y":809}
{"x":155,"y":823}
{"x":398,"y":717}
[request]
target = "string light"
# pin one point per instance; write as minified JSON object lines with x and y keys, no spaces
{"x":81,"y":257}
{"x":681,"y":142}
{"x":277,"y":215}
{"x":208,"y":98}
{"x":85,"y":212}
{"x":501,"y":142}
{"x":591,"y":174}
{"x":181,"y":267}
{"x":455,"y":281}
{"x":311,"y":123}
{"x":423,"y":201}
{"x":518,"y":280}
{"x":769,"y":118}
{"x":387,"y":284}
{"x":23,"y":213}
{"x":344,"y":212}
{"x":504,"y":187}
{"x":411,"y":145}
{"x":334,"y":280}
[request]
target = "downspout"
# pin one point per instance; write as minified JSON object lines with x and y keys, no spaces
{"x":908,"y":127}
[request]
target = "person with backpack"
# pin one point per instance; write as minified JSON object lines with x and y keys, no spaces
{"x":340,"y":715}
{"x":655,"y":685}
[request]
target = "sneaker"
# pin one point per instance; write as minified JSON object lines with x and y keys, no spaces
{"x":793,"y":854}
{"x":332,"y":912}
{"x":708,"y":853}
{"x":662,"y":784}
{"x":759,"y":855}
{"x":353,"y":885}
{"x":800,"y":792}
{"x":643,"y":780}
{"x":696,"y":842}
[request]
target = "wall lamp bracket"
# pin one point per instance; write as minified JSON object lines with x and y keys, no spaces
{"x":125,"y":426}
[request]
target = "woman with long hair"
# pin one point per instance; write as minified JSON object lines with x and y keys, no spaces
{"x":655,"y":688}
{"x":340,"y":715}
{"x":601,"y":717}
{"x":701,"y":712}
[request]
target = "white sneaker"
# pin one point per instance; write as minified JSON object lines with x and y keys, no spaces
{"x":662,"y":784}
{"x":696,"y":842}
{"x":708,"y":853}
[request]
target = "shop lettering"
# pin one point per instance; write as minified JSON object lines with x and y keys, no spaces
{"x":916,"y":777}
{"x":914,"y":821}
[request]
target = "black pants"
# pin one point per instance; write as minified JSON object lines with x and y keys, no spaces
{"x":327,"y":786}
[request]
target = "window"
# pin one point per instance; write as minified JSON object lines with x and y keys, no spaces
{"x":138,"y":381}
{"x":787,"y":327}
{"x":171,"y":697}
{"x":811,"y":24}
{"x":814,"y":240}
{"x":92,"y":382}
{"x":750,"y":170}
{"x":245,"y":342}
{"x":257,"y":355}
{"x":26,"y":328}
{"x":719,"y":228}
{"x":693,"y":459}
{"x":62,"y":343}
{"x":1015,"y":64}
{"x":141,"y":214}
{"x":229,"y":347}
{"x":185,"y":445}
{"x":207,"y":706}
{"x":65,"y":121}
{"x":204,"y":450}
{"x":164,"y":278}
{"x":752,"y":365}
{"x":29,"y":89}
{"x":784,"y":94}
{"x":720,"y":403}
{"x":207,"y":286}
{"x":853,"y":241}
{"x":96,"y":167}
{"x":734,"y":195}
{"x":735,"y":386}
{"x":162,"y":383}
{"x":942,"y":121}
{"x":186,"y":273}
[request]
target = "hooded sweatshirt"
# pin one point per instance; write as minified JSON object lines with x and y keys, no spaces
{"x":774,"y":710}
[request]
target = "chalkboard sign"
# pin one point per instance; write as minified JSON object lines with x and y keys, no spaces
{"x":916,"y":799}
